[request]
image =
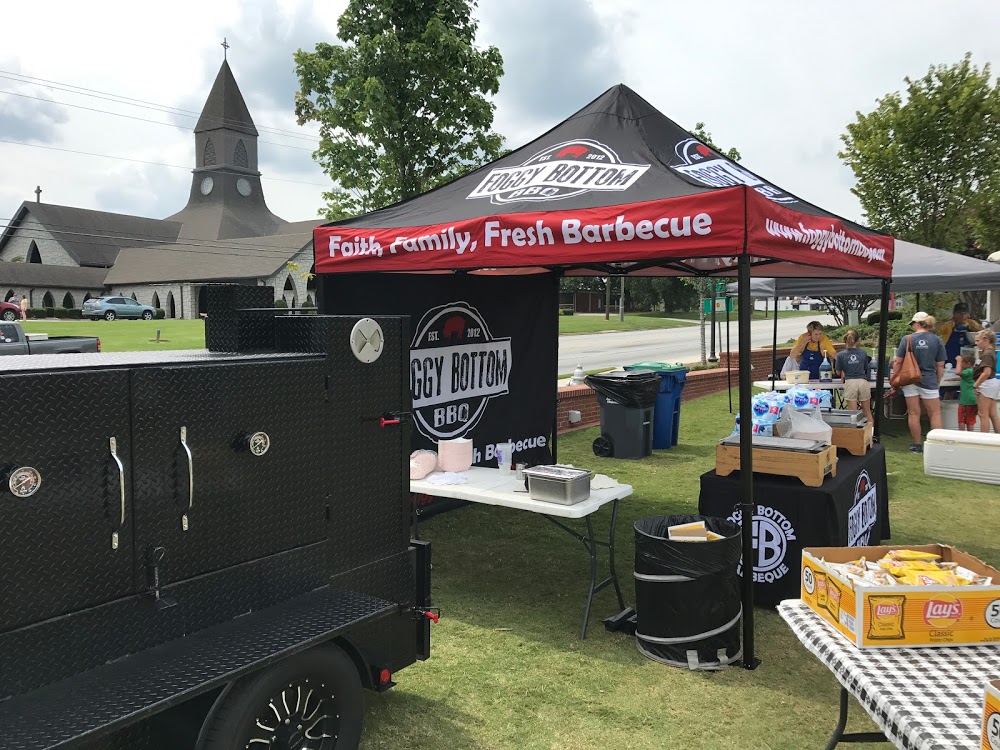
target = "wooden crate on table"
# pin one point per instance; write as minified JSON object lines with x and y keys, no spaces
{"x":855,"y":440}
{"x":810,"y":468}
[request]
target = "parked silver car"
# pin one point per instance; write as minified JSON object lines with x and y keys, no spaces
{"x":110,"y":308}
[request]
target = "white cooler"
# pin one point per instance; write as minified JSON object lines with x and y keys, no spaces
{"x":963,"y":455}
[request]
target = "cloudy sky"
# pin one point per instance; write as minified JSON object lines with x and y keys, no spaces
{"x":777,"y":80}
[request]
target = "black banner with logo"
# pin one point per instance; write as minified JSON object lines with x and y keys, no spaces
{"x":849,"y":510}
{"x":483,"y":355}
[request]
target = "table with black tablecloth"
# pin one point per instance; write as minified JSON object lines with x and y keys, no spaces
{"x":848,"y":510}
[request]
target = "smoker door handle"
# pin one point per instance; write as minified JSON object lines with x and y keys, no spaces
{"x":113,"y":443}
{"x":190,"y":458}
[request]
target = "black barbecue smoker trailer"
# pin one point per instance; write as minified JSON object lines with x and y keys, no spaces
{"x":209,"y":550}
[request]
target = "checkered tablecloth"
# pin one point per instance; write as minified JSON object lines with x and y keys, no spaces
{"x":922,"y":698}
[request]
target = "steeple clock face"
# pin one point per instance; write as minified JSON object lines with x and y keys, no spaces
{"x":243,"y":185}
{"x":206,"y":185}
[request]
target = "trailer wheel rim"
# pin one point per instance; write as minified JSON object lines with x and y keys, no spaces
{"x":304,"y":715}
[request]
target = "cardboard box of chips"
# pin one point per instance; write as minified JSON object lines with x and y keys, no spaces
{"x":991,"y":717}
{"x":901,"y":597}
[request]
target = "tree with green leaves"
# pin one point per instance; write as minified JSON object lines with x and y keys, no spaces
{"x":703,"y":284}
{"x":927,"y":161}
{"x":402,"y":104}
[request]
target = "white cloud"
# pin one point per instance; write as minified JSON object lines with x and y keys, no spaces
{"x":779,"y":80}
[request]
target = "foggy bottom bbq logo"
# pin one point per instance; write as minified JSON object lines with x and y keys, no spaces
{"x":703,"y":165}
{"x":772,"y":532}
{"x":864,"y":512}
{"x":456,"y":367}
{"x":561,"y":171}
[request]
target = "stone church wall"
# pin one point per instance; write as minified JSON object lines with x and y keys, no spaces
{"x":49,"y":249}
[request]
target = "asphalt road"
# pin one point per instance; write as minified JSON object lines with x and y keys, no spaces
{"x":601,"y":350}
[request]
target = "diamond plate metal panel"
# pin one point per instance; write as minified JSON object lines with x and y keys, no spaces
{"x":368,"y":466}
{"x":58,"y":648}
{"x":56,"y":553}
{"x":41,"y":363}
{"x":134,"y":688}
{"x":244,"y":506}
{"x":390,"y":578}
{"x":227,"y":329}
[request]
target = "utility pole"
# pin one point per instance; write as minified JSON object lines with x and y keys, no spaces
{"x":607,"y":299}
{"x":621,"y":302}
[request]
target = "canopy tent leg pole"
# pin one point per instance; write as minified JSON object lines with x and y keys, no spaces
{"x":774,"y":340}
{"x":729,"y":360}
{"x":556,"y":277}
{"x":883,"y":334}
{"x":711,"y":307}
{"x":746,"y":461}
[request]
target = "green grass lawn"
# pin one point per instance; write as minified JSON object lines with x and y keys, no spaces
{"x":507,"y":670}
{"x":127,"y":335}
{"x":570,"y":324}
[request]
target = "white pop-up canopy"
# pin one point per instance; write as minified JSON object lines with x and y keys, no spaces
{"x":915,"y":268}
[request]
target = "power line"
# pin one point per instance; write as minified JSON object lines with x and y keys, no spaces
{"x":140,"y":161}
{"x":130,"y":117}
{"x":141,"y":103}
{"x":204,"y":248}
{"x":147,"y":237}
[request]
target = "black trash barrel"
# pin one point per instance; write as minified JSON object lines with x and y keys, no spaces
{"x":687,"y":594}
{"x":626,"y":399}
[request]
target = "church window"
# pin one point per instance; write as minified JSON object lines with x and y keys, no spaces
{"x":47,"y":300}
{"x":68,"y":301}
{"x":33,"y":255}
{"x":240,"y":158}
{"x":171,"y":308}
{"x":209,"y":157}
{"x":156,"y":300}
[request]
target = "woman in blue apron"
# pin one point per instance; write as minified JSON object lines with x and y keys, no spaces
{"x":809,"y":349}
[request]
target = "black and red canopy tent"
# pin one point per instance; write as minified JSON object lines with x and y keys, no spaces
{"x":617,"y":188}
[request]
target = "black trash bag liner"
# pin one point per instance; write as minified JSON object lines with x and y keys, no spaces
{"x":687,"y":594}
{"x":633,"y":388}
{"x":654,"y":553}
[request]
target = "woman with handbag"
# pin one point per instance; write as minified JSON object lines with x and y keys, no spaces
{"x":917,"y":369}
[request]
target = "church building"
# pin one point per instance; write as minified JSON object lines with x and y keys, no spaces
{"x":60,"y":256}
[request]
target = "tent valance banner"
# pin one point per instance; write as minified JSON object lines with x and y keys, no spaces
{"x":618,"y":186}
{"x":482,"y":364}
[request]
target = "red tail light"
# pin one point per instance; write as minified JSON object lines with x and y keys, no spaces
{"x":98,"y":344}
{"x":384,"y":677}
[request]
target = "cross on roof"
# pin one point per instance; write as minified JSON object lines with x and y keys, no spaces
{"x":225,"y":48}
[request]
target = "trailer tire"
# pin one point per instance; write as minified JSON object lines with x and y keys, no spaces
{"x":260,"y":696}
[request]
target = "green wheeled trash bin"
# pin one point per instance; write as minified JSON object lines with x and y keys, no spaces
{"x":627,"y":401}
{"x":667,"y":415}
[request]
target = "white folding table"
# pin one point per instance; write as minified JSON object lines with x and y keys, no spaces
{"x":491,"y":487}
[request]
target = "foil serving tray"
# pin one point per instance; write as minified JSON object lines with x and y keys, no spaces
{"x":796,"y":445}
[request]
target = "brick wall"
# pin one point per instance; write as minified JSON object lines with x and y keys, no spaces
{"x":699,"y":383}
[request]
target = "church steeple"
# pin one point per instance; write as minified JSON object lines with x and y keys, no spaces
{"x":226,"y":198}
{"x":225,"y":135}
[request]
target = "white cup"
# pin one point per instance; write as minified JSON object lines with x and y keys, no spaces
{"x":504,"y":453}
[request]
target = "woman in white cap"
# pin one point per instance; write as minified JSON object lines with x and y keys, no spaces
{"x":930,"y":354}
